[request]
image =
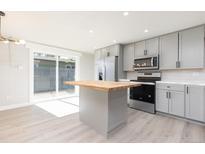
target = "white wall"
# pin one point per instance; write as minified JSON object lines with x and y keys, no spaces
{"x":14,"y":68}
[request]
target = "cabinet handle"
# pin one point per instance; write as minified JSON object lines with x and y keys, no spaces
{"x":145,"y":52}
{"x":187,"y":89}
{"x":177,"y":64}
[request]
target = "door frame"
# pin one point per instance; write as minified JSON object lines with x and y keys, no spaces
{"x":56,"y":53}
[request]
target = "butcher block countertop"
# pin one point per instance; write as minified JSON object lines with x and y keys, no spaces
{"x":103,"y":85}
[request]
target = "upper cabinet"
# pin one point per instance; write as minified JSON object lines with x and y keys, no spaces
{"x":152,"y":46}
{"x":113,"y":50}
{"x":146,"y":48}
{"x":128,"y":57}
{"x":139,"y":49}
{"x":191,"y":48}
{"x":97,"y":55}
{"x":183,"y":50}
{"x":168,"y":51}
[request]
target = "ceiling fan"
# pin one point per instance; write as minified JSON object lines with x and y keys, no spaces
{"x":8,"y":39}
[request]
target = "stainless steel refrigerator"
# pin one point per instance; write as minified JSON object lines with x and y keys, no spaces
{"x":107,"y":69}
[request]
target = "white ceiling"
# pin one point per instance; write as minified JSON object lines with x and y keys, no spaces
{"x":71,"y":29}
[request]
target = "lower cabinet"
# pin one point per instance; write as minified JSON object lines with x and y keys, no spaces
{"x":181,"y":100}
{"x":176,"y":103}
{"x":195,"y":105}
{"x":169,"y":101}
{"x":162,"y":101}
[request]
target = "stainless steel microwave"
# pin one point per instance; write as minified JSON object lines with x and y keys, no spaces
{"x":146,"y":63}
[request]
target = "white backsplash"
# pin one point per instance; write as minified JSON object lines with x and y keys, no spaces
{"x":184,"y":75}
{"x":194,"y":75}
{"x":132,"y":75}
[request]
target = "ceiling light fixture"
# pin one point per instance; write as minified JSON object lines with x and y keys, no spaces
{"x":5,"y":41}
{"x":125,"y":13}
{"x":146,"y":30}
{"x":114,"y":41}
{"x":91,"y":31}
{"x":8,"y":39}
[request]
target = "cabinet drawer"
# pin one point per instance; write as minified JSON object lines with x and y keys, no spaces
{"x":170,"y":86}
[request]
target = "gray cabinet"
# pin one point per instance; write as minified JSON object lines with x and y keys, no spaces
{"x":195,"y":105}
{"x":168,"y":51}
{"x":139,"y":49}
{"x":191,"y":48}
{"x":114,"y":50}
{"x":152,"y":46}
{"x":183,"y":50}
{"x":128,"y":57}
{"x":162,"y":102}
{"x":97,"y":55}
{"x":170,"y":99}
{"x":146,"y":48}
{"x":176,"y":103}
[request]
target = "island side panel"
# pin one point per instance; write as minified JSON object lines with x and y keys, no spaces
{"x":117,"y":108}
{"x":94,"y":109}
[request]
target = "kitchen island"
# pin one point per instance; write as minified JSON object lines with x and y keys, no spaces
{"x":103,"y":104}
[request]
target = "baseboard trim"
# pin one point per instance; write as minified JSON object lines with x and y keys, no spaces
{"x":181,"y":118}
{"x":14,"y":106}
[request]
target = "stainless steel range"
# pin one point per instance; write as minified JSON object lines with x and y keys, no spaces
{"x":143,"y":97}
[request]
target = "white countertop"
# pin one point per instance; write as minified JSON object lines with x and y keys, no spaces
{"x":184,"y":82}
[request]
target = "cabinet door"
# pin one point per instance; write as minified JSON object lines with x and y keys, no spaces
{"x":128,"y":57}
{"x":168,"y":51}
{"x":152,"y":46}
{"x":104,"y":52}
{"x":97,"y":55}
{"x":162,"y":101}
{"x":176,"y":103}
{"x":139,"y":49}
{"x":195,"y":105}
{"x":114,"y":50}
{"x":192,"y":48}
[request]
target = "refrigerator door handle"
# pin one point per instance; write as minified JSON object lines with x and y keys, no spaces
{"x":104,"y":78}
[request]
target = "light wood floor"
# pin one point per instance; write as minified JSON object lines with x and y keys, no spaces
{"x":32,"y":124}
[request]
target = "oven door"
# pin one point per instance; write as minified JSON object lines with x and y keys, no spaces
{"x":145,"y":93}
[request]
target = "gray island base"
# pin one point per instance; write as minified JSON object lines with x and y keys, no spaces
{"x":103,"y":104}
{"x":103,"y":110}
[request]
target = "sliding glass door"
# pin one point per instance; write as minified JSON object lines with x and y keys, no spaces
{"x":50,"y":73}
{"x":44,"y":73}
{"x":66,"y":72}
